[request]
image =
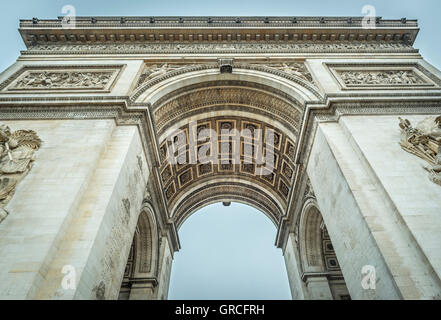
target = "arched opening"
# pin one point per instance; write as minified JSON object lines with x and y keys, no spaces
{"x":226,"y":137}
{"x":140,"y":274}
{"x":228,"y":252}
{"x":320,"y":269}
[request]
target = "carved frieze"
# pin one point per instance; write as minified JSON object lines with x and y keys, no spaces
{"x":424,"y":141}
{"x":245,"y":47}
{"x":16,"y":158}
{"x":377,"y":77}
{"x":71,"y":79}
{"x":388,"y":76}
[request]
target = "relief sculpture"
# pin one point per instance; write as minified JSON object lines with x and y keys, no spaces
{"x":64,"y":80}
{"x":16,"y":158}
{"x":389,"y":77}
{"x":424,"y":141}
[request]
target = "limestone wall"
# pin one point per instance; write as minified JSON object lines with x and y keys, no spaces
{"x":69,"y":210}
{"x":379,"y":206}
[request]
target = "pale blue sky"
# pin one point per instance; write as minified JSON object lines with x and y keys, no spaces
{"x":227,"y":252}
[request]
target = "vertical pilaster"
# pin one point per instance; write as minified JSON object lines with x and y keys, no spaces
{"x":298,"y":288}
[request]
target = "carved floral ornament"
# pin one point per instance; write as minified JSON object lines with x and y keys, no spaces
{"x":16,"y":158}
{"x":424,"y":141}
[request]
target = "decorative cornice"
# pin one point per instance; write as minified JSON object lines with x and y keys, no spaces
{"x":214,"y":29}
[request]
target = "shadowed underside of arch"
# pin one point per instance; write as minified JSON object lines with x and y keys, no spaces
{"x":259,"y":112}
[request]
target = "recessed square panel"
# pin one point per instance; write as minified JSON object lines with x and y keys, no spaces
{"x":204,"y":169}
{"x":248,"y":168}
{"x":287,"y":170}
{"x":185,"y":178}
{"x":283,"y":189}
{"x":276,"y":138}
{"x":225,"y":127}
{"x":170,"y":191}
{"x":166,"y":174}
{"x":251,"y":130}
{"x":289,"y":149}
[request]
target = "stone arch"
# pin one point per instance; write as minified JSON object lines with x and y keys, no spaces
{"x":301,"y":87}
{"x":259,"y":96}
{"x":216,"y":192}
{"x":255,"y":98}
{"x":140,"y":276}
{"x":311,"y":250}
{"x":319,"y":267}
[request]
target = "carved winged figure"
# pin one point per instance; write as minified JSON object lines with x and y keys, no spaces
{"x":156,"y":70}
{"x":424,"y":141}
{"x":16,"y":157}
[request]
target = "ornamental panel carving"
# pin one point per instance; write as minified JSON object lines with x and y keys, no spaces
{"x":16,"y":159}
{"x":62,"y":79}
{"x":374,"y":76}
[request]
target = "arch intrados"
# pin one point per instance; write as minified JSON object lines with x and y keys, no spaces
{"x":236,"y":182}
{"x":184,"y":218}
{"x":227,"y":112}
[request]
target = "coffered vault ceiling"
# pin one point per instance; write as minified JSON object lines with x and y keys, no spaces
{"x":244,"y":181}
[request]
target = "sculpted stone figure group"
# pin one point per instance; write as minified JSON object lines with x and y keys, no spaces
{"x":65,"y":79}
{"x":16,"y":157}
{"x":392,"y":77}
{"x":425,"y":142}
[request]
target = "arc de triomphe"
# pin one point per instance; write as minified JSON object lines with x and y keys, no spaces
{"x":348,"y":114}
